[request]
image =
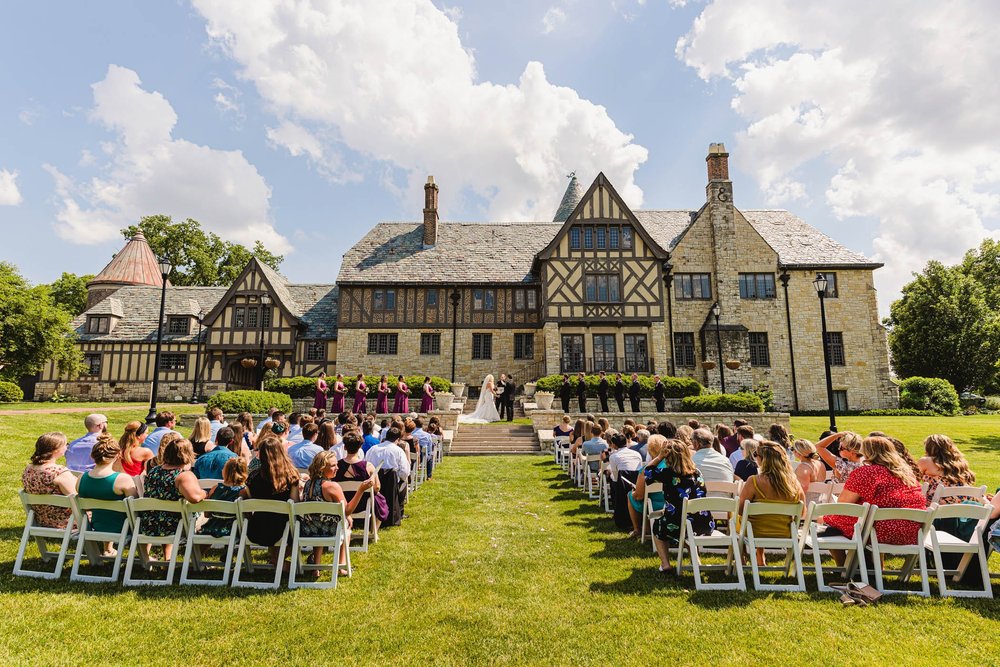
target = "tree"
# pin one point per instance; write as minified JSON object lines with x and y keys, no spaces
{"x":33,"y":329}
{"x":199,"y":257}
{"x":944,"y":327}
{"x":69,"y":292}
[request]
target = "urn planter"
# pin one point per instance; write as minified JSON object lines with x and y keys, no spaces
{"x":543,"y":399}
{"x":458,"y":388}
{"x":529,"y":389}
{"x":443,"y":400}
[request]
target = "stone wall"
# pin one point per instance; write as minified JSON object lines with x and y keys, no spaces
{"x":122,"y":391}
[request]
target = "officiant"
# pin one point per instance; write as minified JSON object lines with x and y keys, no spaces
{"x":500,"y":388}
{"x":509,"y":389}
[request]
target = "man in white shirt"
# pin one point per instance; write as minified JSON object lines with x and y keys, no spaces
{"x":714,"y":466}
{"x":390,"y":455}
{"x":622,"y":457}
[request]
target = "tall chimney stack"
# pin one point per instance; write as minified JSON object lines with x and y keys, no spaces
{"x":430,"y":213}
{"x":718,"y":162}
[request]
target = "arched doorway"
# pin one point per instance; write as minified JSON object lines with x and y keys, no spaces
{"x":238,"y":377}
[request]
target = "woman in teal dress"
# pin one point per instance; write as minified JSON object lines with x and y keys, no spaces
{"x":234,"y":478}
{"x":103,"y":483}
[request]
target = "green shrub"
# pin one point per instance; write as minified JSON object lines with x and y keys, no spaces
{"x":992,"y":403}
{"x":898,"y":412}
{"x":765,"y":393}
{"x":937,"y":394}
{"x":676,"y":387}
{"x":10,"y":393}
{"x":255,"y":402}
{"x":742,"y":402}
{"x":305,"y":387}
{"x":296,"y":387}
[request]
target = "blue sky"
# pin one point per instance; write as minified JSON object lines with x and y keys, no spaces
{"x":305,"y":123}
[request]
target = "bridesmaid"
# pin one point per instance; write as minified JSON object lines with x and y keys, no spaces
{"x":360,"y":396}
{"x":382,"y":402}
{"x":339,"y":391}
{"x":402,"y":402}
{"x":427,"y":402}
{"x":321,"y":389}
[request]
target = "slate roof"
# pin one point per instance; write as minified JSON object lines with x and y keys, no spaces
{"x":572,"y":196}
{"x":135,"y":264}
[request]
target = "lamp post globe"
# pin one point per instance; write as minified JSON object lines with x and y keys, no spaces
{"x":166,"y":266}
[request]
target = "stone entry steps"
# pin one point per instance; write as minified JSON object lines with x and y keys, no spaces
{"x":493,"y":439}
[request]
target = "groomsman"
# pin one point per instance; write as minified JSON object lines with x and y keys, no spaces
{"x":565,"y":392}
{"x":509,"y":388}
{"x":581,"y":391}
{"x":633,"y":393}
{"x":620,"y":392}
{"x":602,"y":392}
{"x":660,"y":394}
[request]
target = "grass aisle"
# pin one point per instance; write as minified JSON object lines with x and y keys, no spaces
{"x":502,"y":562}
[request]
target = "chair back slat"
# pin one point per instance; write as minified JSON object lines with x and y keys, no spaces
{"x":718,"y":489}
{"x":317,"y":507}
{"x":87,"y":504}
{"x":962,"y":511}
{"x":208,"y":484}
{"x":267,"y":506}
{"x":695,"y":505}
{"x":839,"y":509}
{"x":977,"y":492}
{"x":902,"y":513}
{"x":784,"y":509}
{"x":154,"y":504}
{"x":53,"y":499}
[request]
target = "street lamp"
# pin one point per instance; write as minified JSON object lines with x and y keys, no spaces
{"x":455,"y":298}
{"x":197,"y":358}
{"x":820,"y":284}
{"x":716,"y":311}
{"x":667,"y":285}
{"x":165,"y":268}
{"x":265,"y":301}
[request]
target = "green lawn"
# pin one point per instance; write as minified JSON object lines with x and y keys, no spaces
{"x":502,"y":562}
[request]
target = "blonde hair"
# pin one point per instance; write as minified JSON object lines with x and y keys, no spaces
{"x":129,"y":440}
{"x":234,"y":473}
{"x":202,"y":431}
{"x":320,"y":463}
{"x":880,"y":451}
{"x":850,"y":441}
{"x":684,"y":433}
{"x":806,"y":449}
{"x":105,"y":449}
{"x":954,"y":467}
{"x":749,"y":447}
{"x":654,"y":445}
{"x":677,"y":455}
{"x":776,"y":469}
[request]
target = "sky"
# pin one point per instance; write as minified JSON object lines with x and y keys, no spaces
{"x":302,"y":123}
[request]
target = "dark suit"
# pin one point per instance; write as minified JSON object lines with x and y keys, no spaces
{"x":660,"y":394}
{"x":620,"y":395}
{"x":602,"y":393}
{"x":499,"y":399}
{"x":509,"y":388}
{"x":633,"y":395}
{"x":581,"y":394}
{"x":565,"y":392}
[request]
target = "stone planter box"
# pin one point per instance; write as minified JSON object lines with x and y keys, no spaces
{"x":458,"y":389}
{"x":529,"y":388}
{"x":443,"y":400}
{"x":543,"y":400}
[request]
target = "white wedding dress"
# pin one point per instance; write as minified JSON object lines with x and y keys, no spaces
{"x":486,"y":409}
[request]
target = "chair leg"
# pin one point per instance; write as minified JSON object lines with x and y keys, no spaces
{"x":295,"y":559}
{"x":877,"y":566}
{"x":279,"y":566}
{"x":738,"y":563}
{"x":818,"y":566}
{"x":925,"y":584}
{"x":133,"y":549}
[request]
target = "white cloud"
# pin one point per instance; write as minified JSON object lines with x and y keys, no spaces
{"x":9,"y":194}
{"x":394,"y":83}
{"x":299,"y":141}
{"x":227,"y":99}
{"x":554,"y":17}
{"x":146,"y":171}
{"x":899,"y":98}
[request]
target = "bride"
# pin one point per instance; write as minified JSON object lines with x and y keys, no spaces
{"x":486,"y":409}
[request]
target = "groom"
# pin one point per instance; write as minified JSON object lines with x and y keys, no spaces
{"x":509,"y":387}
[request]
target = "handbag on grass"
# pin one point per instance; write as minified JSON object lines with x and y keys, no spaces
{"x":860,"y":594}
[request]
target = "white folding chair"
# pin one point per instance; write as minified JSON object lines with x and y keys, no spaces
{"x":414,"y":481}
{"x":87,"y":537}
{"x":836,"y":488}
{"x":977,"y":493}
{"x":208,"y":484}
{"x":718,"y":540}
{"x":295,"y":513}
{"x":941,"y":542}
{"x":648,"y":514}
{"x":593,"y":477}
{"x":560,"y":450}
{"x":140,"y":540}
{"x":40,"y":534}
{"x":604,"y":489}
{"x":818,"y":492}
{"x":718,"y":489}
{"x":790,"y":544}
{"x":910,"y":552}
{"x":244,"y":509}
{"x":197,"y":541}
{"x":366,"y":517}
{"x":438,"y":449}
{"x":817,"y":543}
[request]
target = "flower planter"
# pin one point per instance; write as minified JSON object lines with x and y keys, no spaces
{"x":529,"y":389}
{"x":443,"y":400}
{"x":272,"y":363}
{"x":708,"y":365}
{"x":544,"y":400}
{"x":732,"y":364}
{"x":458,"y":389}
{"x":248,"y":363}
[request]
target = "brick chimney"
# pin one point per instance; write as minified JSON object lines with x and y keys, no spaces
{"x":718,"y":162}
{"x":430,"y":213}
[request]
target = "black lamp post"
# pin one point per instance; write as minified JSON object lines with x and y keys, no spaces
{"x":456,"y":296}
{"x":165,"y":268}
{"x":265,"y":301}
{"x":197,"y":358}
{"x":667,"y":278}
{"x":820,"y":284}
{"x":716,"y":312}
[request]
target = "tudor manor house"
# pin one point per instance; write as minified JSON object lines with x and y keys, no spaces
{"x":601,"y":287}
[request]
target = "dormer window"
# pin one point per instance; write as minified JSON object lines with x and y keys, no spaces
{"x":178,"y":325}
{"x":98,"y":324}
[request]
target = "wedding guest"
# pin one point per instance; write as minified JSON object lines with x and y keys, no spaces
{"x":775,"y":483}
{"x":295,"y":428}
{"x":425,"y":443}
{"x":563,"y":429}
{"x":303,"y":453}
{"x":171,"y":480}
{"x":683,"y":433}
{"x":641,"y":440}
{"x":621,"y":457}
{"x":354,"y":467}
{"x":580,"y":433}
{"x":165,"y":422}
{"x":360,"y":395}
{"x":596,"y":445}
{"x":620,"y":391}
{"x":390,"y":455}
{"x":382,"y":396}
{"x":321,"y":390}
{"x":634,"y":390}
{"x":902,"y":451}
{"x":245,"y":420}
{"x":322,"y":487}
{"x":666,"y":429}
{"x":211,"y":464}
{"x":274,"y":479}
{"x":103,"y":483}
{"x":217,"y":420}
{"x":339,"y":394}
{"x":565,"y":391}
{"x":810,"y":468}
{"x":847,"y":460}
{"x":636,"y":499}
{"x":327,"y":438}
{"x":714,"y":467}
{"x":267,"y":420}
{"x":234,"y":480}
{"x":134,"y":456}
{"x":680,"y":479}
{"x":723,"y":433}
{"x":44,"y":476}
{"x":427,"y":396}
{"x":201,"y":435}
{"x":747,"y":466}
{"x":402,"y":399}
{"x":78,"y":451}
{"x":779,"y":434}
{"x":367,"y":432}
{"x":743,"y":432}
{"x":944,"y":465}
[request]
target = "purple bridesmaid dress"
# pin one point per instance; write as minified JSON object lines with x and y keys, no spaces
{"x":382,"y":402}
{"x":320,"y":400}
{"x":360,"y":396}
{"x":337,"y":404}
{"x":402,"y":402}
{"x":427,"y":402}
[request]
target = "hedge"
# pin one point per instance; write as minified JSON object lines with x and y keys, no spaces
{"x":898,"y":412}
{"x":936,"y":394}
{"x":255,"y":402}
{"x":676,"y":387}
{"x":10,"y":393}
{"x":743,"y":402}
{"x":305,"y":387}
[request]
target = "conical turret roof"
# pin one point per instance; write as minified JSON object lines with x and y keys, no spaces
{"x":134,"y":265}
{"x":570,"y":199}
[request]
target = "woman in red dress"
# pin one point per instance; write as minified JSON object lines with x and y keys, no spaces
{"x":339,"y":392}
{"x":360,"y":396}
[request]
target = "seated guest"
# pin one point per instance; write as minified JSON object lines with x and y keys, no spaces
{"x":621,"y":457}
{"x":274,"y":479}
{"x":164,"y":441}
{"x":810,"y":468}
{"x":680,"y":479}
{"x":902,"y":451}
{"x":44,"y":476}
{"x":641,"y":438}
{"x":694,"y":424}
{"x":426,"y":444}
{"x":201,"y":435}
{"x":884,"y":480}
{"x":388,"y":454}
{"x":103,"y":483}
{"x":322,"y":487}
{"x":409,"y":440}
{"x":725,"y":436}
{"x":629,"y":433}
{"x":747,"y":466}
{"x":321,"y":417}
{"x":580,"y":433}
{"x":743,"y":432}
{"x":133,"y":458}
{"x":249,"y":432}
{"x":279,"y":429}
{"x":171,"y":480}
{"x":775,"y":483}
{"x":294,"y":428}
{"x":714,"y":467}
{"x":563,"y":429}
{"x":312,"y":413}
{"x":304,"y":452}
{"x":217,"y":420}
{"x":684,"y":435}
{"x":327,"y":438}
{"x":638,"y":495}
{"x":383,"y":429}
{"x":354,"y":468}
{"x":78,"y":451}
{"x":234,"y":479}
{"x":604,"y":423}
{"x":596,"y":445}
{"x":847,"y":460}
{"x":779,"y":434}
{"x":944,"y":465}
{"x":211,"y":465}
{"x":370,"y":440}
{"x":165,"y":422}
{"x":240,"y":442}
{"x":267,"y":420}
{"x":666,"y":429}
